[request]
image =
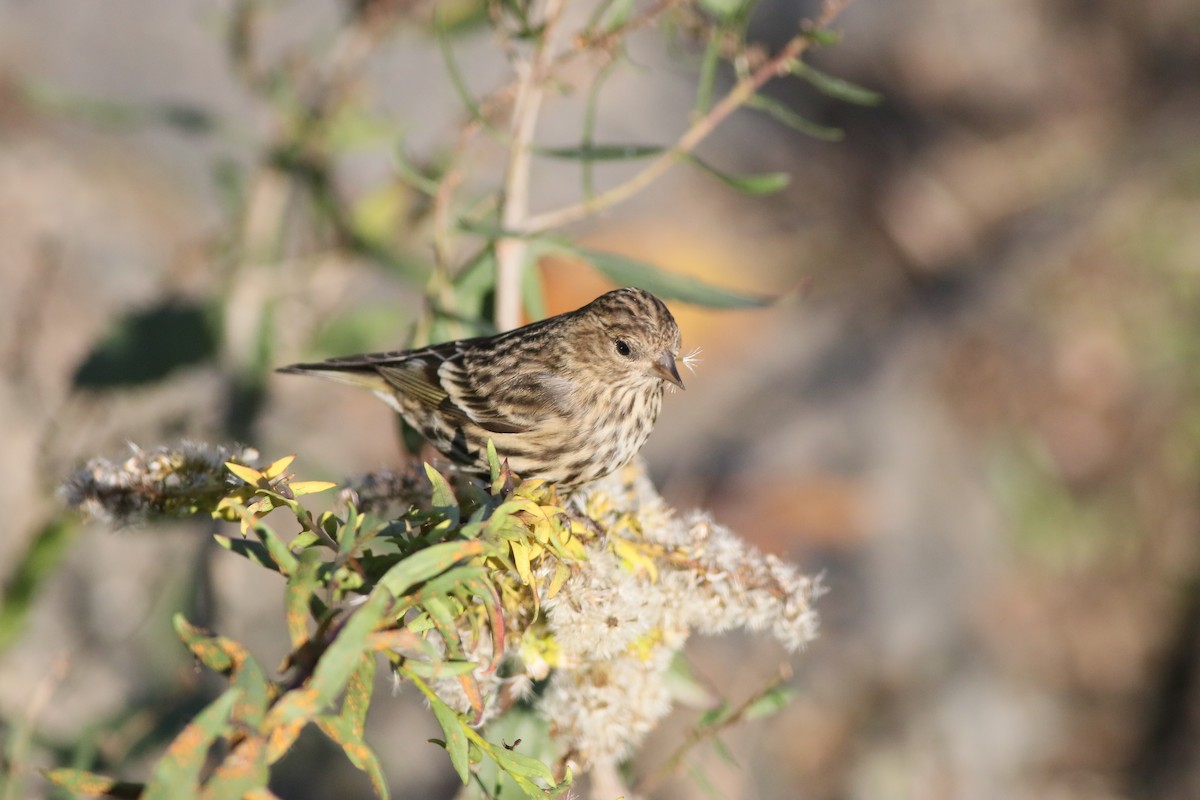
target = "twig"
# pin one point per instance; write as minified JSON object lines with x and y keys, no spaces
{"x":741,"y":93}
{"x":707,"y":732}
{"x":511,"y":253}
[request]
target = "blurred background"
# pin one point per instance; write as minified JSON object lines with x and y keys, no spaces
{"x":979,"y":420}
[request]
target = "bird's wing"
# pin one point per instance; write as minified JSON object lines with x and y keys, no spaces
{"x":471,"y":392}
{"x":437,"y":378}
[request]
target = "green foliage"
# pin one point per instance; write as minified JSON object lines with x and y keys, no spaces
{"x":422,"y":591}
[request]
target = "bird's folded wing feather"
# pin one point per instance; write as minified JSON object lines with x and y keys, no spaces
{"x":423,"y":379}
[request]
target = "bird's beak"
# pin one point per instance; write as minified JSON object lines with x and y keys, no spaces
{"x":664,"y":367}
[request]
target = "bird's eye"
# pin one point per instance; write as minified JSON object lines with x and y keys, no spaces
{"x":623,"y":347}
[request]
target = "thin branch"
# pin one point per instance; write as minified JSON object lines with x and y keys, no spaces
{"x":739,"y":95}
{"x":511,"y":253}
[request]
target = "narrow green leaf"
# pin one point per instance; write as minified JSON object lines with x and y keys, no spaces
{"x":348,"y":533}
{"x":492,"y":232}
{"x":770,"y":702}
{"x":301,"y":586}
{"x":724,"y":9}
{"x":708,"y":75}
{"x":493,"y":464}
{"x":838,"y":88}
{"x":177,"y":774}
{"x":233,"y":660}
{"x":254,"y":551}
{"x":516,"y":763}
{"x":412,"y":175}
{"x":453,"y":727}
{"x":611,"y":15}
{"x":338,"y":663}
{"x":601,"y":152}
{"x":443,"y":496}
{"x":765,"y":183}
{"x":783,"y":114}
{"x":334,"y":669}
{"x":625,"y":271}
{"x":243,"y":771}
{"x":358,"y":694}
{"x":724,"y":752}
{"x":455,"y":74}
{"x":38,"y":563}
{"x":440,"y":669}
{"x":342,"y":732}
{"x":714,"y":716}
{"x":82,"y":782}
{"x":425,"y":564}
{"x":283,"y":557}
{"x":824,"y":36}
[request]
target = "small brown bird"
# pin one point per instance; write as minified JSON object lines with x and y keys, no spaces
{"x":568,"y":399}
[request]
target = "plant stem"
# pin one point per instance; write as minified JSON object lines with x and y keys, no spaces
{"x":740,"y":94}
{"x":511,"y":253}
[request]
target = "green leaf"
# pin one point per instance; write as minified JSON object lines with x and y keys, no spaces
{"x":334,"y":670}
{"x":440,"y":669}
{"x":360,"y":755}
{"x":82,"y":782}
{"x":301,"y":586}
{"x":824,"y":36}
{"x":793,"y":120}
{"x":601,"y":152}
{"x":177,"y":774}
{"x":279,"y":552}
{"x":38,"y":563}
{"x":765,"y":183}
{"x":243,"y":771}
{"x":714,"y":716}
{"x":443,"y":497}
{"x":340,"y":660}
{"x":838,"y":88}
{"x":428,"y":563}
{"x":725,"y":10}
{"x":232,"y":659}
{"x":453,"y":726}
{"x":625,"y":271}
{"x":455,"y":74}
{"x":357,"y":699}
{"x":770,"y":702}
{"x":493,"y":464}
{"x":254,"y":551}
{"x":611,"y":15}
{"x":519,"y":764}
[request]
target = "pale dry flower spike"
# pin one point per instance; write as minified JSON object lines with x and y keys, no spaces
{"x":618,"y":628}
{"x":166,"y":480}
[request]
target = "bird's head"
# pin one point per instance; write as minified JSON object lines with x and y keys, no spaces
{"x":630,"y":334}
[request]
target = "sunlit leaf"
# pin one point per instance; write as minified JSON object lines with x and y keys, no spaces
{"x":310,"y":487}
{"x":249,"y":474}
{"x":277,"y":467}
{"x":425,"y":564}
